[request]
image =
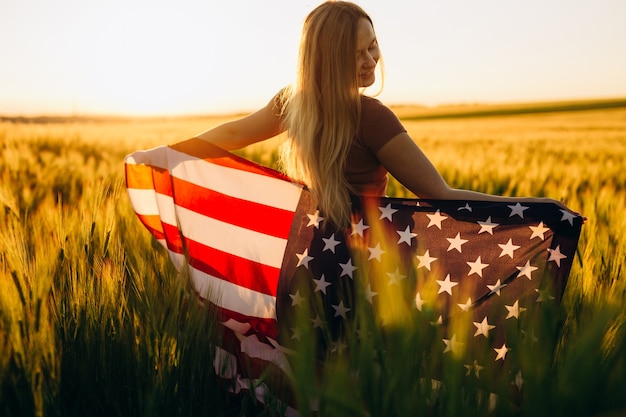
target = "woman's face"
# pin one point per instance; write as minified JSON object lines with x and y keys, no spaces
{"x":367,"y":53}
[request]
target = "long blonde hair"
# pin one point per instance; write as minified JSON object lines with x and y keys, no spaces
{"x":322,"y":108}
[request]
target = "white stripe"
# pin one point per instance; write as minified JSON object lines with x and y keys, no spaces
{"x":156,"y":157}
{"x":252,"y":346}
{"x":150,"y":203}
{"x":226,"y":237}
{"x":167,"y":209}
{"x":232,"y":296}
{"x":223,"y":236}
{"x":225,"y":363}
{"x":234,"y":182}
{"x":237,"y":326}
{"x":143,"y":201}
{"x":178,"y":259}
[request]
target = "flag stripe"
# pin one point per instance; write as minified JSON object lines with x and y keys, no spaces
{"x":228,"y":238}
{"x":147,"y":202}
{"x":153,"y":223}
{"x":254,"y":185}
{"x":244,"y":213}
{"x":248,"y":244}
{"x":144,"y":201}
{"x":225,"y":364}
{"x":232,"y":268}
{"x":236,"y":183}
{"x":139,"y":176}
{"x":265,"y":326}
{"x":200,"y":149}
{"x":232,"y":296}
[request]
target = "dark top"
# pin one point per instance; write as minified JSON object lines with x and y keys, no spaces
{"x":378,"y":126}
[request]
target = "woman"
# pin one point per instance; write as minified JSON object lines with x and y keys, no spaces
{"x":341,"y":142}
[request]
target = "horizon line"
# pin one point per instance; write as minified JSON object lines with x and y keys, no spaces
{"x":571,"y":104}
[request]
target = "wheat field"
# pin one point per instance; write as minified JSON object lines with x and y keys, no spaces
{"x":94,"y":321}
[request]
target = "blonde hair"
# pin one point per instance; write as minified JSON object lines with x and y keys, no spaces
{"x":322,"y":109}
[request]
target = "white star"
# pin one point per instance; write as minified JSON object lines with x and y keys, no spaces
{"x":425,"y":260}
{"x":467,"y":305}
{"x":518,"y":209}
{"x":386,"y":212}
{"x":341,"y":310}
{"x":568,"y":216}
{"x":556,"y":255}
{"x":375,"y":253}
{"x":358,"y":228}
{"x":514,"y":310}
{"x":296,"y":299}
{"x":475,"y":367}
{"x":526,"y":270}
{"x":483,"y":328}
{"x":347,"y":268}
{"x":501,"y":352}
{"x":304,"y":258}
{"x":419,"y":303}
{"x":543,"y":295}
{"x":508,"y":248}
{"x":395,"y":277}
{"x":369,"y":294}
{"x":446,"y":285}
{"x":317,"y":322}
{"x":519,"y":381}
{"x":465,"y":207}
{"x":495,"y":289}
{"x":438,"y":322}
{"x":296,"y":333}
{"x":533,"y":339}
{"x":321,"y":284}
{"x":338,"y":346}
{"x":456,"y":242}
{"x":436,"y":219}
{"x":487,"y":226}
{"x":330,"y":243}
{"x":452,"y":345}
{"x":406,"y":235}
{"x":539,"y":231}
{"x":477,"y":267}
{"x":315,"y":219}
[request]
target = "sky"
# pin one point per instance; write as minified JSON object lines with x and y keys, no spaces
{"x":192,"y":57}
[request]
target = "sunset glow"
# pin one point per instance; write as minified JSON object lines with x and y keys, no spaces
{"x":188,"y":57}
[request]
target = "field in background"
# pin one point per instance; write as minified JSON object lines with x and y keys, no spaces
{"x":93,"y":320}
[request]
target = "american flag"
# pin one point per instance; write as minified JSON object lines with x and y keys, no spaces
{"x":258,"y":251}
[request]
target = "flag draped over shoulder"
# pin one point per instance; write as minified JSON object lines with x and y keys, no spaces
{"x":257,"y":249}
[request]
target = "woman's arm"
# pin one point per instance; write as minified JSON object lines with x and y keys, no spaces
{"x":258,"y":126}
{"x":409,"y":165}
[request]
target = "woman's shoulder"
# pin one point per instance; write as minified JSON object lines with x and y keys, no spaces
{"x":374,"y":109}
{"x":371,"y":102}
{"x":379,"y":123}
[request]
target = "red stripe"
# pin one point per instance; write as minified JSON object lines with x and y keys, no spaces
{"x":243,"y":213}
{"x":162,"y":181}
{"x":148,"y":177}
{"x":232,"y":210}
{"x":264,"y":327}
{"x":140,"y":176}
{"x":173,"y":238}
{"x":153,"y":224}
{"x":243,"y":272}
{"x":255,"y":368}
